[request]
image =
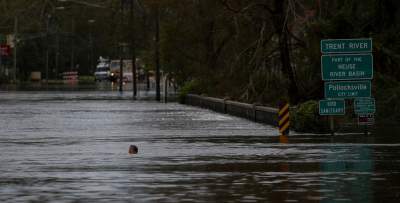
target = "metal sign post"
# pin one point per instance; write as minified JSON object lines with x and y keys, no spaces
{"x":332,"y":125}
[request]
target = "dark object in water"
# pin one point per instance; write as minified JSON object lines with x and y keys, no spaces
{"x":133,"y":149}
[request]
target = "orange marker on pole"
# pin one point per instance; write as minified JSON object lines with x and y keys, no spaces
{"x":284,"y":119}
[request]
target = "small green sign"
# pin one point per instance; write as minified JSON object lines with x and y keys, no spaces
{"x":347,"y":67}
{"x":364,"y":106}
{"x":331,"y":107}
{"x":346,"y":46}
{"x":347,"y":89}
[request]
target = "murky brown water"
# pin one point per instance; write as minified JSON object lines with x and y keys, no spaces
{"x":71,"y":147}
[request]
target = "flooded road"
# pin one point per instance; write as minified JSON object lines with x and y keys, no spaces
{"x":71,"y":147}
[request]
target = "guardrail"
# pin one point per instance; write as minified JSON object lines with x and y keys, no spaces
{"x":261,"y":114}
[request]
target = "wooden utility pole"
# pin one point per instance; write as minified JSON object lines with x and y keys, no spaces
{"x":166,"y":88}
{"x":157,"y":53}
{"x":133,"y":48}
{"x":47,"y":48}
{"x":121,"y":74}
{"x":72,"y":44}
{"x":15,"y":48}
{"x":57,"y":52}
{"x":281,"y":29}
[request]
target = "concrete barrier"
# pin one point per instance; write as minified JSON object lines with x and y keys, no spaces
{"x":262,"y":114}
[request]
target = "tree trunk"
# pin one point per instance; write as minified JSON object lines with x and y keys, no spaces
{"x":157,"y":53}
{"x":281,"y":30}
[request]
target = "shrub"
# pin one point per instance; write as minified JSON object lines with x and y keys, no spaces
{"x":306,"y":118}
{"x":187,"y":88}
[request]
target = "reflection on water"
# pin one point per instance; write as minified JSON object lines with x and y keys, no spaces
{"x":64,"y":147}
{"x":357,"y":185}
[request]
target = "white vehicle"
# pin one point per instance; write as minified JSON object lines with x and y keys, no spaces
{"x":103,"y":72}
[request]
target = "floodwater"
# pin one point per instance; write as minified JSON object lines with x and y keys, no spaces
{"x":71,"y":147}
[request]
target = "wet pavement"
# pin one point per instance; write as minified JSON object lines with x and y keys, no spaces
{"x":73,"y":147}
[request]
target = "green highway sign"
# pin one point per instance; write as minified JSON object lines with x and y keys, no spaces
{"x":332,"y":107}
{"x":346,"y":46}
{"x":364,"y":106}
{"x":347,"y":67}
{"x":347,"y":89}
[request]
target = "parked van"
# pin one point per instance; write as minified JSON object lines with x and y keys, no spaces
{"x":103,"y":72}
